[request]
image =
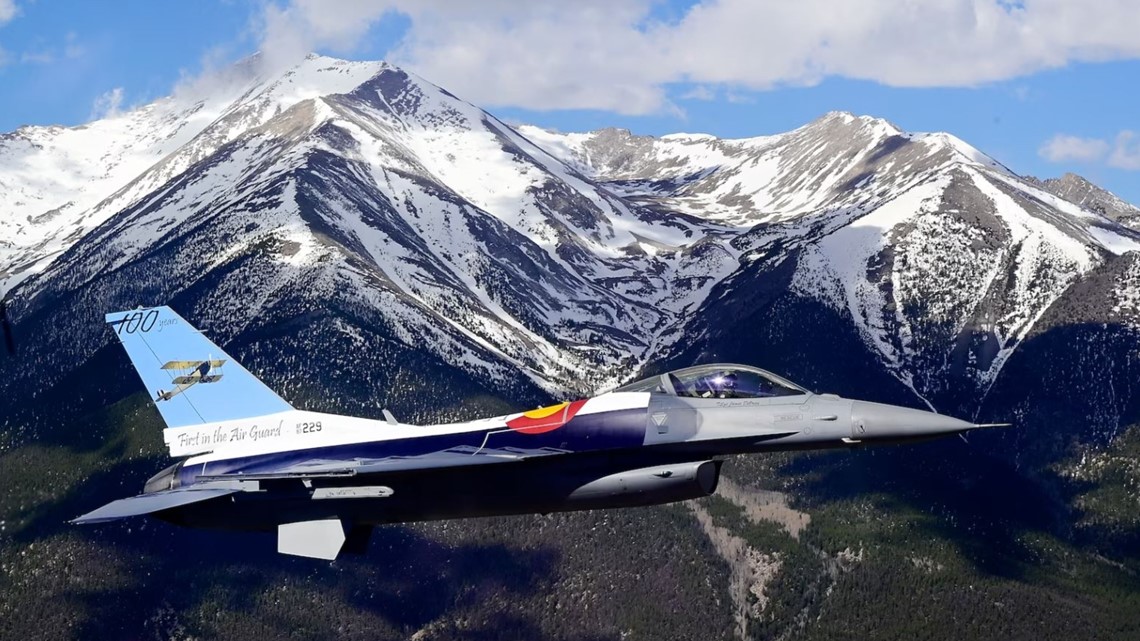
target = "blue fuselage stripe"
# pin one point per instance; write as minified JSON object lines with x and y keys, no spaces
{"x":584,"y":433}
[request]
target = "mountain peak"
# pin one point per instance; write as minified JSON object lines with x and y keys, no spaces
{"x":308,"y":77}
{"x":1080,"y":191}
{"x":58,"y":183}
{"x":849,"y":119}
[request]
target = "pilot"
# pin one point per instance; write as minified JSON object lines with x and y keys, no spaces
{"x":727,"y":384}
{"x":720,"y":385}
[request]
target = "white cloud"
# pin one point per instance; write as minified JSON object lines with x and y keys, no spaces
{"x":1126,"y":152}
{"x":590,"y":54}
{"x":288,"y":33}
{"x":8,"y":10}
{"x":929,"y":43}
{"x":615,"y":55}
{"x":542,"y":55}
{"x":1122,"y":153}
{"x":108,"y":105}
{"x":699,"y":92}
{"x":1065,"y":148}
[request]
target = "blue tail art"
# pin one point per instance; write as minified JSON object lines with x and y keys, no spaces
{"x":193,"y":381}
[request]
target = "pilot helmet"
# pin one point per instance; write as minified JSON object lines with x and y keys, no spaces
{"x":721,"y":384}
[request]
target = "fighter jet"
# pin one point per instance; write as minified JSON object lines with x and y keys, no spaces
{"x":323,"y":481}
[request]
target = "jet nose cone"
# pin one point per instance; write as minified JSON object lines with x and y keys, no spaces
{"x":875,"y":421}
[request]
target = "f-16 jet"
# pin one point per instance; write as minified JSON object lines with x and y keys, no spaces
{"x":324,"y":481}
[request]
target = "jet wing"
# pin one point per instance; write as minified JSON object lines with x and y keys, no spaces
{"x":457,"y":457}
{"x":156,"y":502}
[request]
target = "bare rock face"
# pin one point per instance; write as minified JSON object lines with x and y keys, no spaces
{"x":1080,"y":191}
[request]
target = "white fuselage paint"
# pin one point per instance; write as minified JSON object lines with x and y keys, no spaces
{"x":300,"y":430}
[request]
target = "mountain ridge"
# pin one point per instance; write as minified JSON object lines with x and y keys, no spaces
{"x":648,"y":229}
{"x":389,"y":246}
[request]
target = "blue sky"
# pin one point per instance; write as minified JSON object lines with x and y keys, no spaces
{"x":1044,"y":86}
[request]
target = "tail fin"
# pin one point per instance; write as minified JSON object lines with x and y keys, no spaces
{"x":197,"y":382}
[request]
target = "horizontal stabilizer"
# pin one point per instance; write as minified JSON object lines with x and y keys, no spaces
{"x":150,"y":503}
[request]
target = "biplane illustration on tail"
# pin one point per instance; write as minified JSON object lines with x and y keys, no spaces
{"x":191,"y":373}
{"x":323,"y":481}
{"x":173,"y":358}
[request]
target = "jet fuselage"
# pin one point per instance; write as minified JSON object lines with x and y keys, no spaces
{"x":646,"y":448}
{"x":323,"y":481}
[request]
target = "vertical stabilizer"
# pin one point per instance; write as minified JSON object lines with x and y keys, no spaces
{"x":191,"y":380}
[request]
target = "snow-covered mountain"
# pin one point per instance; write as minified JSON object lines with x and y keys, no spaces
{"x":941,"y":257}
{"x":58,"y":183}
{"x":410,"y":220}
{"x":1076,"y":189}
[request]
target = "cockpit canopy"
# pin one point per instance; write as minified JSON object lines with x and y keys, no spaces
{"x":721,"y":380}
